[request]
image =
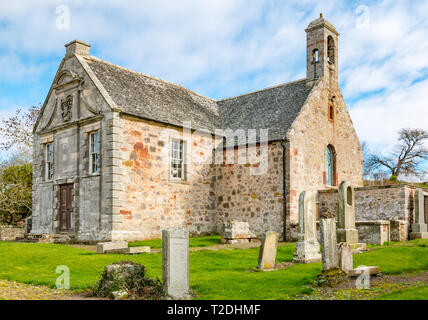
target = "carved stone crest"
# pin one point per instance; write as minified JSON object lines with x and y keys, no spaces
{"x":66,"y":108}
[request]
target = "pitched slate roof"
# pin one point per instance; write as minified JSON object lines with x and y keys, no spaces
{"x":273,"y":108}
{"x":137,"y":94}
{"x":144,"y":96}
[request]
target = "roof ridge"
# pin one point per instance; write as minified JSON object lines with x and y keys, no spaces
{"x":260,"y":90}
{"x":148,"y":76}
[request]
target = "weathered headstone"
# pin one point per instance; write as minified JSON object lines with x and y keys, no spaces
{"x":307,"y":246}
{"x":346,"y":261}
{"x":130,"y":250}
{"x":236,"y":232}
{"x":370,"y":271}
{"x":419,"y":227}
{"x":175,"y":263}
{"x":346,"y":230}
{"x":398,"y":230}
{"x":267,"y":253}
{"x":330,"y":254}
{"x":104,"y":247}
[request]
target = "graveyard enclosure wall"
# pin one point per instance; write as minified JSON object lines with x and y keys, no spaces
{"x":245,"y":196}
{"x":309,"y":138}
{"x":151,"y":200}
{"x":10,"y":233}
{"x":374,"y":203}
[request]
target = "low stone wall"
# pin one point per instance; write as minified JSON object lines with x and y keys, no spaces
{"x":373,"y":232}
{"x":390,"y":203}
{"x":10,"y":232}
{"x":374,"y":203}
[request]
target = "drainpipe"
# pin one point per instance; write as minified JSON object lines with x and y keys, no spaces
{"x":284,"y":189}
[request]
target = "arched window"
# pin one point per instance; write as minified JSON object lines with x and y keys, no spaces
{"x":330,"y":166}
{"x":315,"y":56}
{"x":330,"y":50}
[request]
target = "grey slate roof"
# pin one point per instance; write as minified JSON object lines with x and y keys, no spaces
{"x":272,"y":108}
{"x":143,"y":96}
{"x":137,"y":94}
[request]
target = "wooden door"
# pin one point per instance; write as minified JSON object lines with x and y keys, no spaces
{"x":66,"y":208}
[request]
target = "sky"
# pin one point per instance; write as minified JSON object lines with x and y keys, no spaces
{"x":225,"y":48}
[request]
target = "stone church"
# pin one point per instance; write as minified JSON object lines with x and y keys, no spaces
{"x":119,"y":155}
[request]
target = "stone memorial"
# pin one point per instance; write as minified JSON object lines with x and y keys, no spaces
{"x":175,"y":263}
{"x":373,"y":231}
{"x":236,"y":232}
{"x":398,"y":230}
{"x":130,"y":250}
{"x":307,"y":246}
{"x":267,"y":253}
{"x":104,"y":247}
{"x":330,"y":254}
{"x":346,"y":261}
{"x":346,"y":230}
{"x":419,"y":227}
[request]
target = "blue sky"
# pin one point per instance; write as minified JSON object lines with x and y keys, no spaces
{"x":224,"y":48}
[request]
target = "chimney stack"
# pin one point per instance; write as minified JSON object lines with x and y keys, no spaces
{"x":77,"y":47}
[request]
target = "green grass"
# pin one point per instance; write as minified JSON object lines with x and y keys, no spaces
{"x":415,"y":293}
{"x":193,"y":242}
{"x":222,"y":274}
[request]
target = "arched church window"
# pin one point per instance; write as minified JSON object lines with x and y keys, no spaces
{"x":330,"y":50}
{"x":331,"y":166}
{"x":315,"y":56}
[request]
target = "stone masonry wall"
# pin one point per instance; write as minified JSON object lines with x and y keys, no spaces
{"x":151,"y":200}
{"x":309,"y":137}
{"x":10,"y":232}
{"x":256,"y":199}
{"x":374,"y":203}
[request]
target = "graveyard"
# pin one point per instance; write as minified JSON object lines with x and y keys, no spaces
{"x":222,"y":274}
{"x":332,"y":259}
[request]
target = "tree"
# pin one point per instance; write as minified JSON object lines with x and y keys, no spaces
{"x":16,"y":133}
{"x":407,"y":158}
{"x":15,"y":193}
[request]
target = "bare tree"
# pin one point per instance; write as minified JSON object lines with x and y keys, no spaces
{"x":407,"y":158}
{"x":16,"y":133}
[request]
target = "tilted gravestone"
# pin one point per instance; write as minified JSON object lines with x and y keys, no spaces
{"x":346,"y":261}
{"x":346,"y":230}
{"x":330,"y":254}
{"x":419,"y":227}
{"x":267,"y":253}
{"x":175,"y":263}
{"x":307,"y":246}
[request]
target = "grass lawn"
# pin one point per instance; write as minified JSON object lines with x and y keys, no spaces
{"x":416,"y":293}
{"x":193,"y":242}
{"x":222,"y":274}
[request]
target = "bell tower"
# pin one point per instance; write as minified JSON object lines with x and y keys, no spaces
{"x":321,"y":50}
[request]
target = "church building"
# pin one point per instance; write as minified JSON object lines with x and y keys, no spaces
{"x":119,"y":155}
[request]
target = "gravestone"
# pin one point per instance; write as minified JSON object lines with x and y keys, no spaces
{"x":267,"y":253}
{"x":330,"y":254}
{"x":346,"y":261}
{"x":105,"y":247}
{"x":236,"y":232}
{"x":175,"y":263}
{"x":346,"y":230}
{"x":419,"y":227}
{"x":307,"y":246}
{"x":130,"y":250}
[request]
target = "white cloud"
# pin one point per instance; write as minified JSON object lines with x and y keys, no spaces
{"x":228,"y":47}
